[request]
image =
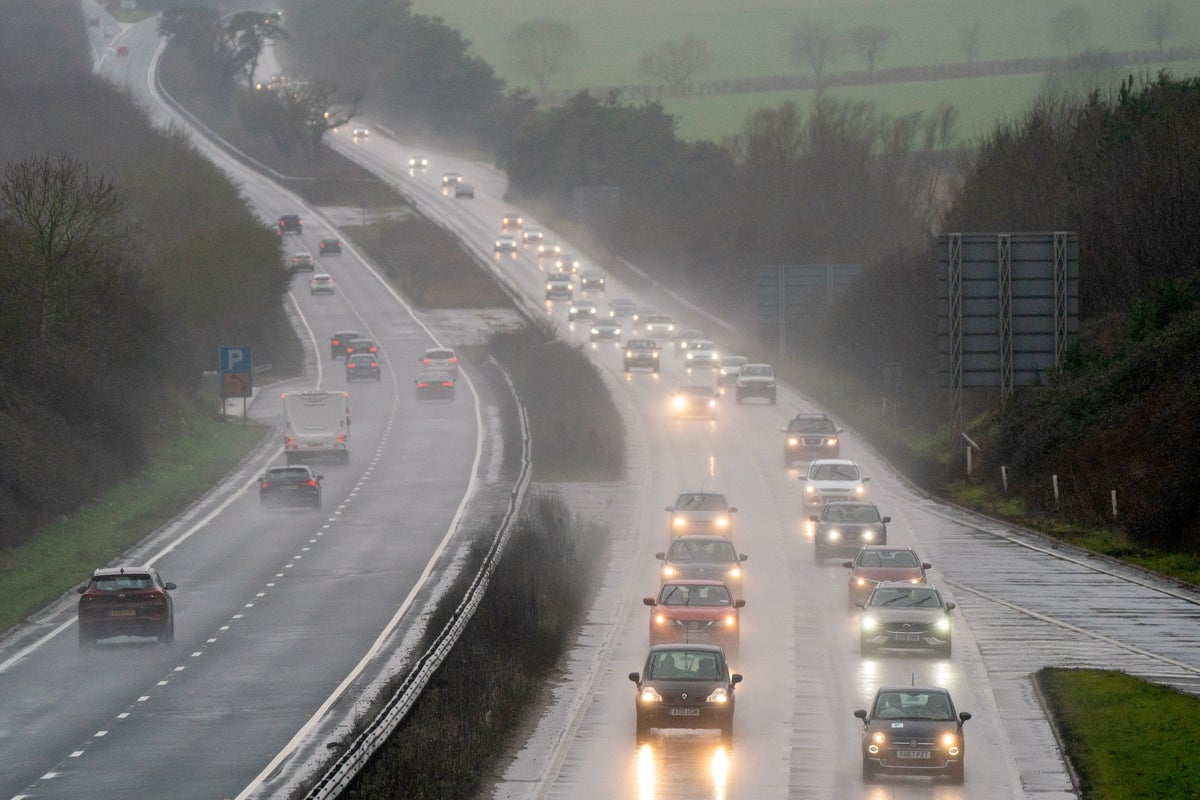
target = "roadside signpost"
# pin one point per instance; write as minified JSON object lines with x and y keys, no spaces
{"x":237,"y":376}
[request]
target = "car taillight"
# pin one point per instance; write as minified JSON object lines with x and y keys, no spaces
{"x":349,"y":366}
{"x":264,"y":485}
{"x":289,"y":440}
{"x":447,"y":383}
{"x":374,"y":363}
{"x":312,"y":482}
{"x":341,"y":438}
{"x":336,"y":342}
{"x":453,"y":360}
{"x":373,"y":349}
{"x":426,"y":361}
{"x":422,"y":385}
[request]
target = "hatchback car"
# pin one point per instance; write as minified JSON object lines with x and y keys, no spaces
{"x":592,"y":281}
{"x":293,"y":485}
{"x":582,"y":310}
{"x":303,"y":261}
{"x":512,"y":219}
{"x":559,"y":285}
{"x":701,"y":512}
{"x":809,"y":436}
{"x":606,"y":330}
{"x":532,"y":236}
{"x":913,"y":730}
{"x":125,"y":601}
{"x":361,"y":344}
{"x":695,"y":611}
{"x":548,"y":249}
{"x":685,"y":686}
{"x":339,"y":340}
{"x":694,"y":401}
{"x":435,"y":386}
{"x":703,"y":557}
{"x":363,"y":367}
{"x":642,"y":353}
{"x":901,"y":615}
{"x":702,"y":354}
{"x":321,"y":283}
{"x":830,"y":480}
{"x":505,"y":243}
{"x":876,"y":564}
{"x":621,"y":308}
{"x":331,"y":246}
{"x":568,"y":263}
{"x":755,"y":380}
{"x":727,"y":369}
{"x":451,"y":179}
{"x":842,"y":528}
{"x":291,"y":223}
{"x":440,"y":359}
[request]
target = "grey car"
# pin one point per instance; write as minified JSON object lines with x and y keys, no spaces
{"x":755,"y":380}
{"x":905,"y":616}
{"x":685,"y":686}
{"x":913,"y":730}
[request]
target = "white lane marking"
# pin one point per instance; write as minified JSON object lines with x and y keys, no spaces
{"x":101,"y":733}
{"x":76,"y":754}
{"x":123,"y":715}
{"x":143,"y":698}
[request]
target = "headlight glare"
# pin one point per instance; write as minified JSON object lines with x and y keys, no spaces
{"x":869,"y":623}
{"x":719,"y":695}
{"x":879,"y":738}
{"x":650,"y":695}
{"x":943,"y":625}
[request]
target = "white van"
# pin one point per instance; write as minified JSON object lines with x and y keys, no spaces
{"x":317,"y":426}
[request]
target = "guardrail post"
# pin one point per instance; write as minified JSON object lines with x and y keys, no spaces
{"x":1054,"y":485}
{"x":1004,"y":478}
{"x":1114,"y":503}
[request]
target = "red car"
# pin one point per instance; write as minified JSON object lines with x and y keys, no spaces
{"x":878,"y":563}
{"x":691,"y":611}
{"x":125,"y":601}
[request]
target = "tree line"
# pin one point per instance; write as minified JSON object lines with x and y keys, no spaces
{"x":126,"y":260}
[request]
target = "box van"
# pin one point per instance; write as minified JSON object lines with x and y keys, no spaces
{"x":317,"y":426}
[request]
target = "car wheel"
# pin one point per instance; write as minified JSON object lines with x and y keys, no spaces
{"x":956,"y":773}
{"x":167,"y":634}
{"x":868,"y":769}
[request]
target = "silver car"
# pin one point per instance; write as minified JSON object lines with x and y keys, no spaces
{"x":440,"y":359}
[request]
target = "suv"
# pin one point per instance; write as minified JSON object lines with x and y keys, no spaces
{"x":906,"y":616}
{"x":361,"y":344}
{"x":331,"y":247}
{"x":339,"y":340}
{"x":303,"y":261}
{"x":755,"y":380}
{"x":293,"y":485}
{"x":842,"y":528}
{"x":125,"y":601}
{"x":701,"y":512}
{"x":641,"y":353}
{"x":810,"y":436}
{"x":833,"y":479}
{"x":440,"y":359}
{"x":290,"y":223}
{"x":560,"y":284}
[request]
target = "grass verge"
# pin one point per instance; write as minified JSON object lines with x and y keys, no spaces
{"x":448,"y":744}
{"x":1127,"y":739}
{"x":181,"y":467}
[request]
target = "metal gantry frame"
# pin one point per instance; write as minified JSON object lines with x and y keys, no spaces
{"x":954,"y":296}
{"x":1060,"y":298}
{"x":1004,"y":304}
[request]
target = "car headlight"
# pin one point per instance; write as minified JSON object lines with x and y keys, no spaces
{"x":943,"y":625}
{"x":549,"y":286}
{"x":833,"y":535}
{"x":793,"y":441}
{"x":660,"y":619}
{"x":595,"y":330}
{"x":629,"y":354}
{"x":679,"y":403}
{"x":831,"y":442}
{"x":650,"y":695}
{"x":722,"y":522}
{"x":860,"y":581}
{"x":868,"y":536}
{"x":735,"y":572}
{"x":670,"y":328}
{"x":878,"y":738}
{"x":669,"y":572}
{"x":810,"y":489}
{"x":719,"y":695}
{"x":869,"y":623}
{"x":949,"y":740}
{"x":654,"y":354}
{"x":860,"y":489}
{"x":679,"y":522}
{"x":689,"y":356}
{"x":730,"y":620}
{"x":712,"y":403}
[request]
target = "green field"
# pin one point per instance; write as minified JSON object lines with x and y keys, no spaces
{"x":749,"y":39}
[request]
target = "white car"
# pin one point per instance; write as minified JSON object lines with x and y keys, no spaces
{"x":727,"y":371}
{"x":321,"y":283}
{"x":440,"y":359}
{"x":702,"y":353}
{"x":831,"y":480}
{"x":418,"y":162}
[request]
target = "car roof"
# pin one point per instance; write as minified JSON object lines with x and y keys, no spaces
{"x":693,"y":582}
{"x":888,"y":547}
{"x":702,"y":537}
{"x":834,"y":461}
{"x":104,"y":572}
{"x":432,"y":352}
{"x":757,"y":364}
{"x":702,"y":493}
{"x":905,"y":689}
{"x":362,"y":339}
{"x":705,"y":648}
{"x":362,"y":356}
{"x":348,"y":334}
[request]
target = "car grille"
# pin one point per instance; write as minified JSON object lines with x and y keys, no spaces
{"x":920,"y":628}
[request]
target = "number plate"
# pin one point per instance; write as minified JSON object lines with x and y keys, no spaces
{"x":696,"y":637}
{"x":913,"y":754}
{"x":906,"y":637}
{"x":125,"y":612}
{"x":683,"y":712}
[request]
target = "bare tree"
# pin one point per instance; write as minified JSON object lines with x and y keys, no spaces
{"x":869,"y":41}
{"x":816,"y":42}
{"x":1071,"y":27}
{"x":312,"y":108}
{"x":969,"y":41}
{"x":542,"y":48}
{"x":675,"y":64}
{"x":1160,"y":20}
{"x":247,"y":32}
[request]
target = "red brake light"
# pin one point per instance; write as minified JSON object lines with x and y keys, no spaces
{"x":422,"y":385}
{"x":264,"y":485}
{"x":427,"y":361}
{"x":374,"y":363}
{"x":341,"y":438}
{"x":447,"y":383}
{"x":312,"y":482}
{"x":336,"y":342}
{"x":453,"y":360}
{"x":349,"y":366}
{"x":289,"y":440}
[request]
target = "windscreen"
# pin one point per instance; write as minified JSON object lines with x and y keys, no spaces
{"x":683,"y":665}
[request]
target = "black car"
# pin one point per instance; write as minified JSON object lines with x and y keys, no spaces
{"x":435,"y":386}
{"x":339,"y":340}
{"x":642,"y":353}
{"x":464,"y":190}
{"x":294,"y":485}
{"x":363,"y":366}
{"x":705,"y":557}
{"x":841,"y":529}
{"x":685,"y":686}
{"x":290,"y":223}
{"x":361,"y":344}
{"x":905,"y":616}
{"x":913,"y":730}
{"x":810,"y":436}
{"x":331,"y":247}
{"x":126,"y":601}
